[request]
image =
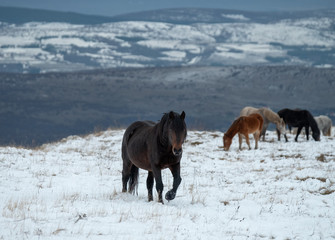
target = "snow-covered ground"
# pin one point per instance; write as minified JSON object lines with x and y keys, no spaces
{"x":72,"y":190}
{"x":40,"y":46}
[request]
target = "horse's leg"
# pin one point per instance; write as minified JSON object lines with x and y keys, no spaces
{"x":175,"y":170}
{"x":159,"y":184}
{"x":240,"y":141}
{"x":247,"y":140}
{"x":285,"y":137}
{"x":329,"y":131}
{"x":325,"y":131}
{"x":256,"y":137}
{"x":263,"y":132}
{"x":278,"y":134}
{"x":307,"y":132}
{"x":298,"y":132}
{"x":150,"y":184}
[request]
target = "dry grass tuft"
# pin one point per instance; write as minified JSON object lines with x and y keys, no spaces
{"x":196,"y":143}
{"x":326,"y":191}
{"x":214,"y":135}
{"x":303,"y":179}
{"x":291,"y":156}
{"x":321,"y":158}
{"x":58,"y":231}
{"x":225,"y":203}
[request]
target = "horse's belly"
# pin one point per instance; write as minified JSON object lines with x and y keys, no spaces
{"x":138,"y":156}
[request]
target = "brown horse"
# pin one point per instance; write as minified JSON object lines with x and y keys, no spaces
{"x":269,"y":116}
{"x":154,"y":147}
{"x":244,"y":125}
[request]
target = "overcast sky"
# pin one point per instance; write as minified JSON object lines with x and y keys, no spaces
{"x":116,"y":7}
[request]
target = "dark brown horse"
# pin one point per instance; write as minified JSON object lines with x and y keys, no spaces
{"x":154,"y":147}
{"x":244,"y":125}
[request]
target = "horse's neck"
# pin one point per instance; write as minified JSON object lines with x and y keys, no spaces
{"x":271,"y":116}
{"x":312,"y":123}
{"x":234,"y":129}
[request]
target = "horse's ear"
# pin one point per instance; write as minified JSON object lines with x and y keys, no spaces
{"x":171,"y":115}
{"x":182,"y":115}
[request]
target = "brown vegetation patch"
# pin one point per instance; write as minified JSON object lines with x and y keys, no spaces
{"x":291,"y":156}
{"x":326,"y":191}
{"x":325,"y":158}
{"x":196,"y":143}
{"x":225,"y":202}
{"x":305,"y":178}
{"x":214,"y":135}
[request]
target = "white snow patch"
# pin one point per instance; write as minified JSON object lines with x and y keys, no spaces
{"x":236,"y":17}
{"x":72,"y":190}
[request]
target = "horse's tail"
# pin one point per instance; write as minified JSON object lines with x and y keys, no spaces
{"x":133,"y":179}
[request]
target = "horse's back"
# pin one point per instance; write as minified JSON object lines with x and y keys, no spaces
{"x":283,"y":113}
{"x":293,"y":117}
{"x":252,"y":122}
{"x":138,"y":132}
{"x":270,"y":115}
{"x":248,"y":110}
{"x":259,"y":117}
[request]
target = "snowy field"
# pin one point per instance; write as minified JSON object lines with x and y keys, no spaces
{"x":72,"y":190}
{"x":47,"y":47}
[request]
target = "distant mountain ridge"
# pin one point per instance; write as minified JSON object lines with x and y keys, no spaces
{"x":23,"y":15}
{"x":174,"y":15}
{"x":208,"y":15}
{"x":38,"y":108}
{"x":34,"y":41}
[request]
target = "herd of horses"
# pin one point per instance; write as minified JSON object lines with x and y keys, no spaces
{"x":296,"y":118}
{"x":155,"y":146}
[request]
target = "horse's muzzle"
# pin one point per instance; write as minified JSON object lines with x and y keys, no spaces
{"x":177,"y":152}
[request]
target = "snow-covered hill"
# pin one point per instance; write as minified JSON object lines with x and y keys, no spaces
{"x":72,"y":190}
{"x":169,"y":38}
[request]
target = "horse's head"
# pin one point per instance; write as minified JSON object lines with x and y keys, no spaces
{"x":176,"y":132}
{"x":281,"y":126}
{"x":316,"y":135}
{"x":226,"y":142}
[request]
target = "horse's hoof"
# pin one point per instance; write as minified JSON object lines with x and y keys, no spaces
{"x":170,"y":195}
{"x":150,"y":198}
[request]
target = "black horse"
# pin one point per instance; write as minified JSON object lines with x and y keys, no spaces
{"x":154,"y":147}
{"x":300,"y":118}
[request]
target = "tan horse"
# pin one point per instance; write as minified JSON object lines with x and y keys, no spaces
{"x":269,"y":116}
{"x":324,"y":124}
{"x":244,"y":125}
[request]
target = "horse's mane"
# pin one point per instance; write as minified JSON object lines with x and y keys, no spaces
{"x":162,"y":129}
{"x":269,"y":114}
{"x":233,"y":128}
